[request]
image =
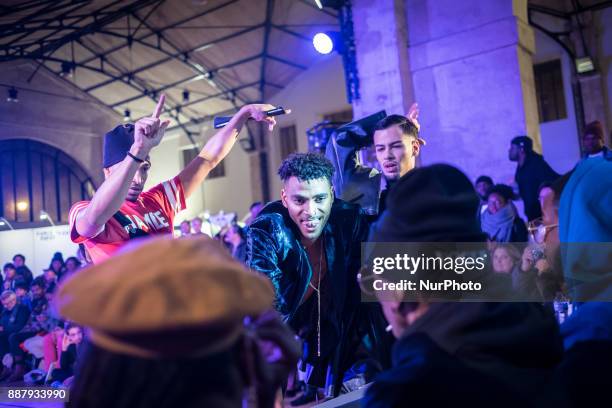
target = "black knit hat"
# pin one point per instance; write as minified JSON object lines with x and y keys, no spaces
{"x":523,"y":141}
{"x":117,"y":143}
{"x":430,"y":204}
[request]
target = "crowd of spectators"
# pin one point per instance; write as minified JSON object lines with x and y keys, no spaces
{"x":36,"y":345}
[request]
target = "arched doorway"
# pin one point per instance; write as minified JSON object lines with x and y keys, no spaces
{"x":37,"y":181}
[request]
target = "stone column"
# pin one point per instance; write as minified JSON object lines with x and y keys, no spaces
{"x":469,"y":64}
{"x":382,"y":57}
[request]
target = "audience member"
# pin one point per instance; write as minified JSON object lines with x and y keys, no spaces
{"x":14,"y":317}
{"x":196,"y":226}
{"x":531,"y":172}
{"x":22,"y":292}
{"x":585,"y":217}
{"x":254,"y":211}
{"x":72,"y":264}
{"x":545,"y":235}
{"x":593,"y":140}
{"x":507,"y":260}
{"x":19,"y":260}
{"x":8,"y":283}
{"x":52,"y":346}
{"x":71,"y":350}
{"x":57,"y":265}
{"x":483,"y":187}
{"x":185,"y":228}
{"x":236,"y":239}
{"x":457,"y":354}
{"x":38,"y":323}
{"x":21,"y":268}
{"x":142,"y":351}
{"x":500,"y":221}
{"x":37,"y":289}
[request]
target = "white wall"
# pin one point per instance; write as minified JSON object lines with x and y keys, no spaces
{"x":318,"y":91}
{"x":38,"y":246}
{"x":53,"y":111}
{"x":560,"y":144}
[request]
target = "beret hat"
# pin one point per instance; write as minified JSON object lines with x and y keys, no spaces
{"x":165,"y":296}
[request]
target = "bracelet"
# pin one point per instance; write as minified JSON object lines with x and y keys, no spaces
{"x":135,"y":158}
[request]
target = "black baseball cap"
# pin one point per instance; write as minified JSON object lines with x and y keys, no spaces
{"x":117,"y":143}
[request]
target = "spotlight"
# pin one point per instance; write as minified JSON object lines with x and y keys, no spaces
{"x":12,"y":95}
{"x":5,"y":223}
{"x":22,"y":205}
{"x":44,"y":216}
{"x":127,"y":115}
{"x":335,"y":4}
{"x":185,"y":96}
{"x":323,"y":43}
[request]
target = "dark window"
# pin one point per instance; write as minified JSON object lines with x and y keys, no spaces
{"x":190,"y":154}
{"x":344,"y":116}
{"x":288,"y":141}
{"x":37,"y":178}
{"x":549,"y":91}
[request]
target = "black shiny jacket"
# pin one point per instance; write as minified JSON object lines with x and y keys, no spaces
{"x":274,"y":249}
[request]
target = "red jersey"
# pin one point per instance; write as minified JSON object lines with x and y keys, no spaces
{"x":152,"y":213}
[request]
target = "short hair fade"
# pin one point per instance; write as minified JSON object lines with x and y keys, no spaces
{"x":306,"y":166}
{"x":406,"y":126}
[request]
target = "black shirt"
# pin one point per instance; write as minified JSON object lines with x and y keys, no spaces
{"x":529,"y":178}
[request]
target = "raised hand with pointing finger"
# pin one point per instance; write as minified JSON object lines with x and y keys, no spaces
{"x":149,"y":131}
{"x":122,"y":208}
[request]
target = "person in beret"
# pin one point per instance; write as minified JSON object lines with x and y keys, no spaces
{"x":120,"y":210}
{"x":165,"y":322}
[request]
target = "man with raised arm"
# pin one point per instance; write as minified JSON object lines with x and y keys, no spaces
{"x":397,"y":144}
{"x":120,"y":210}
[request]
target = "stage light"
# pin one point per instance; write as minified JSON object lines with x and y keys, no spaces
{"x":127,"y":115}
{"x":323,"y":43}
{"x":335,"y":4}
{"x":45,"y":216}
{"x":12,"y":95}
{"x":22,"y":205}
{"x":5,"y":223}
{"x":185,"y":96}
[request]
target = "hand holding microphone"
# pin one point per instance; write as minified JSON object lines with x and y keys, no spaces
{"x":258,"y":112}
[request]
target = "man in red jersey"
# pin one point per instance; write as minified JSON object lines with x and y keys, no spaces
{"x":120,"y":210}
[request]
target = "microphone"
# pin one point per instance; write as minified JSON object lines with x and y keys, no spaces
{"x":221,"y":121}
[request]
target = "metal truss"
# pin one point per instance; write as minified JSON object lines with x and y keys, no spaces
{"x":68,"y":26}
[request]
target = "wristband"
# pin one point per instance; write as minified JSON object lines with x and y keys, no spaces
{"x":136,"y":159}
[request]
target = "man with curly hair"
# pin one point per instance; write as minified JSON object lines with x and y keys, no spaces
{"x":308,"y":244}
